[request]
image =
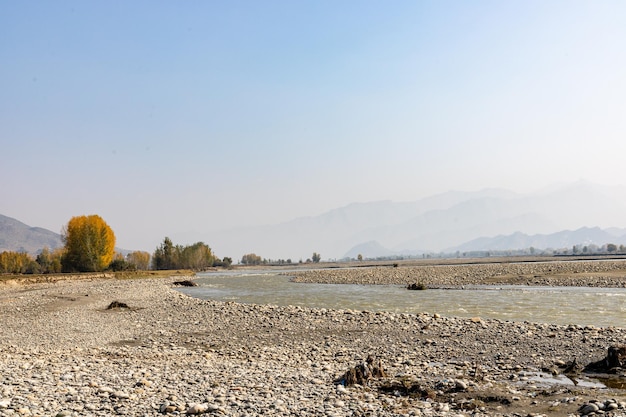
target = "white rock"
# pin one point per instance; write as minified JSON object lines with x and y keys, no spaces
{"x":197,"y":408}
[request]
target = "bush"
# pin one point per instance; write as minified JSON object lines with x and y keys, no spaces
{"x":121,"y":265}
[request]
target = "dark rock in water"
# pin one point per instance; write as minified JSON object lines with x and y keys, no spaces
{"x":361,"y":373}
{"x":117,"y":304}
{"x":186,"y":283}
{"x":415,"y":286}
{"x":614,"y":362}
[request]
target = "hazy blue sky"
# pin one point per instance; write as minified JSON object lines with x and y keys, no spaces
{"x":165,"y":117}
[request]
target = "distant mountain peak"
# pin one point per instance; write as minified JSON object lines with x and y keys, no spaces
{"x":16,"y":236}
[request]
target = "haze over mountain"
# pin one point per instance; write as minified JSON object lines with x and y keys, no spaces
{"x":491,"y":219}
{"x":438,"y":223}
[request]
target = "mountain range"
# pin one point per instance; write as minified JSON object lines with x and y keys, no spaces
{"x":445,"y":222}
{"x":555,"y":217}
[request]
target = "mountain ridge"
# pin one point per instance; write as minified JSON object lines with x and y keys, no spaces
{"x":434,"y":223}
{"x":517,"y":241}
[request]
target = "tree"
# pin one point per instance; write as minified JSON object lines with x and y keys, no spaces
{"x":140,"y":259}
{"x":611,"y":247}
{"x":49,"y":262}
{"x":89,"y":244}
{"x":197,"y":256}
{"x":163,"y":257}
{"x":316,"y":257}
{"x":359,"y":257}
{"x":120,"y":263}
{"x":15,"y":262}
{"x":251,"y":259}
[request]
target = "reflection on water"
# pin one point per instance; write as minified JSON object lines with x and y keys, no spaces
{"x":559,"y":305}
{"x":543,"y":379}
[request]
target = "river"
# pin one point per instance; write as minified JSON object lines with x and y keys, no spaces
{"x":558,"y":305}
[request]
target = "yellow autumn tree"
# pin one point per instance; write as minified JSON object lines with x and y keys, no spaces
{"x":140,"y":259}
{"x":89,"y":244}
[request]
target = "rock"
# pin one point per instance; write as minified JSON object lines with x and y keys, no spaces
{"x":416,"y":287}
{"x":588,"y":409}
{"x":186,"y":283}
{"x":117,"y":305}
{"x":121,"y":395}
{"x":167,"y":408}
{"x":197,"y":408}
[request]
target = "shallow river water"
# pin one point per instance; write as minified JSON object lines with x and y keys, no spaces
{"x":559,"y":305}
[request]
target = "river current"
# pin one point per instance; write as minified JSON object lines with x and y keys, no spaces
{"x":558,"y":305}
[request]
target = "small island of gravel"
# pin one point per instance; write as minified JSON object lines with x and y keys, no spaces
{"x":65,"y":354}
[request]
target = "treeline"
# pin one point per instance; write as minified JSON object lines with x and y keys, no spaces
{"x":196,"y":257}
{"x":90,"y":247}
{"x":22,"y":263}
{"x":254,"y":259}
{"x":51,"y":262}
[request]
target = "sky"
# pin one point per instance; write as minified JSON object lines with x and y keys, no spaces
{"x":168,"y":117}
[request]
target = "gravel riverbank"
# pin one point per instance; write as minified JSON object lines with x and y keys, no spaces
{"x":65,"y":354}
{"x":609,"y":273}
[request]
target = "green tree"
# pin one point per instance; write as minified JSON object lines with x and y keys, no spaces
{"x":169,"y":256}
{"x":611,"y":247}
{"x":316,"y":257}
{"x":44,"y":259}
{"x":163,"y":257}
{"x":89,"y":244}
{"x":197,"y":256}
{"x":359,"y":257}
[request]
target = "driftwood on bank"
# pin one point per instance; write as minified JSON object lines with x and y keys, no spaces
{"x":186,"y":283}
{"x":363,"y":372}
{"x":613,"y":363}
